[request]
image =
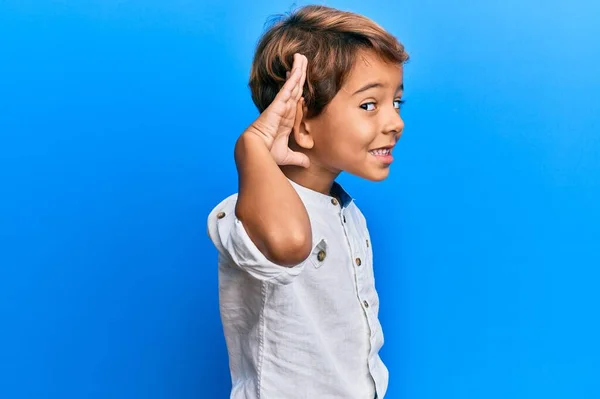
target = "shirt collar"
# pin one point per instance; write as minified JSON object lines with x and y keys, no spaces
{"x":317,"y":198}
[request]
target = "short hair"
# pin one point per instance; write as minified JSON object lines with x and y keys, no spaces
{"x":330,"y":39}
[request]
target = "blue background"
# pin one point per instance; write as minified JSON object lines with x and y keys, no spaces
{"x":117,"y":123}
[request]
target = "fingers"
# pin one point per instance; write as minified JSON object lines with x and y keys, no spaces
{"x":292,"y":88}
{"x":296,"y":78}
{"x":303,"y":67}
{"x":300,"y":62}
{"x":299,"y":112}
{"x":293,"y":78}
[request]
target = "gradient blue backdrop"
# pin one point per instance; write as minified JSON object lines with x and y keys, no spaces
{"x":117,"y":121}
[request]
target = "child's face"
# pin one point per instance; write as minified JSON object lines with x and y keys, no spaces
{"x":357,"y":122}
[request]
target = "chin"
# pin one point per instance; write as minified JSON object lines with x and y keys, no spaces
{"x":380,"y":177}
{"x":374,"y":175}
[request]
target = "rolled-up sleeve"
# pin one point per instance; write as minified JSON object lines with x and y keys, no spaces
{"x":232,"y":241}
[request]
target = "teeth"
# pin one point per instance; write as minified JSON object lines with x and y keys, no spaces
{"x":380,"y":151}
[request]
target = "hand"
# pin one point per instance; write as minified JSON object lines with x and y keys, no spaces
{"x":276,"y":122}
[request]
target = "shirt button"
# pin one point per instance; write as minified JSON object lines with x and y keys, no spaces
{"x":344,"y":218}
{"x":366,"y":304}
{"x":358,"y":262}
{"x":367,"y":243}
{"x":334,"y":201}
{"x":321,"y":256}
{"x":220,"y":215}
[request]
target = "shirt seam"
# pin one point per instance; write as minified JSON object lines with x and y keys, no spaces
{"x":261,"y":338}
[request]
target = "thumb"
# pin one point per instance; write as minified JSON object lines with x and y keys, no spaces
{"x":297,"y":158}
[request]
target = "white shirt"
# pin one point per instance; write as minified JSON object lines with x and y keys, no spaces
{"x":310,"y":331}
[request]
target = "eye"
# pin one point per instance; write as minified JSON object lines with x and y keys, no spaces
{"x":368,"y":106}
{"x":398,"y":103}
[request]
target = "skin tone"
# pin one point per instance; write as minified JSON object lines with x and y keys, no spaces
{"x":355,"y":133}
{"x":364,"y":115}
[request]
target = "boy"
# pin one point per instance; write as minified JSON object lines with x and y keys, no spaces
{"x":296,"y":286}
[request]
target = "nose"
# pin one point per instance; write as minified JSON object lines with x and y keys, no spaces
{"x":395,"y":124}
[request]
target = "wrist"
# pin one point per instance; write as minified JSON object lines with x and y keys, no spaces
{"x":249,"y":142}
{"x":252,"y":134}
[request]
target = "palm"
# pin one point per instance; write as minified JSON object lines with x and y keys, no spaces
{"x":280,"y":150}
{"x":275,"y":124}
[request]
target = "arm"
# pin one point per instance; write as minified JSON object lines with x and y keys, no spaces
{"x":268,"y":206}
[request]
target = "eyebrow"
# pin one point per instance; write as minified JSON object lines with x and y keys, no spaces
{"x":374,"y":85}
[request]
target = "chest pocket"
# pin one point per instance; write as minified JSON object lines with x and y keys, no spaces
{"x":318,"y":256}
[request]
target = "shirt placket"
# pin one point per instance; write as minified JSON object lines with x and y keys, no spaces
{"x":361,"y":281}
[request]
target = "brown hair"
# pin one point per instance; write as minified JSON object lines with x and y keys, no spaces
{"x":330,"y":39}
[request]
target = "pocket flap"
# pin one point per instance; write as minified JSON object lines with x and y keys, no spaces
{"x":319,"y":254}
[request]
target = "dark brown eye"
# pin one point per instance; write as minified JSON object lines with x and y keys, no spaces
{"x":365,"y":106}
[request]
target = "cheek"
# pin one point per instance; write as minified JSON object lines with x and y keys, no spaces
{"x":362,"y":132}
{"x":347,"y":135}
{"x":350,"y":139}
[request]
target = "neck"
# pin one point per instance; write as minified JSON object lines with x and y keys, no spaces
{"x":313,"y":177}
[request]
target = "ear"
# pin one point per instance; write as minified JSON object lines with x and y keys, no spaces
{"x":301,"y":131}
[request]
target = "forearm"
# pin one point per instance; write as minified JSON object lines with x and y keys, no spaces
{"x":268,"y":206}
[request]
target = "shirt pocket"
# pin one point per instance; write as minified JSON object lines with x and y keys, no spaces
{"x":319,"y":255}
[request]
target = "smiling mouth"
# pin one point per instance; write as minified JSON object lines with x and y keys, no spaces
{"x":381,"y":151}
{"x":383,"y":155}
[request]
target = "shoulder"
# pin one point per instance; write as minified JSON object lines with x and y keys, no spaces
{"x":357,"y":213}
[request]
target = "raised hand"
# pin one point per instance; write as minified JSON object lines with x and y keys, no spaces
{"x":276,"y":122}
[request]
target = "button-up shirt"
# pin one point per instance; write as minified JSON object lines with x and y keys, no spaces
{"x":309,"y":331}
